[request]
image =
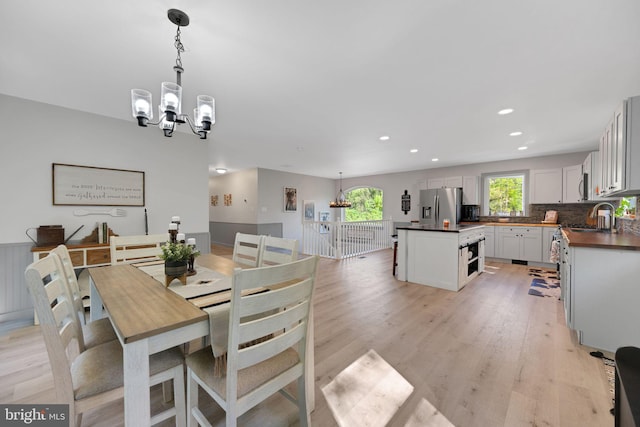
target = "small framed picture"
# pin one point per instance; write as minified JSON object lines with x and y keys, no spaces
{"x":324,"y":217}
{"x":309,"y":208}
{"x":290,"y":199}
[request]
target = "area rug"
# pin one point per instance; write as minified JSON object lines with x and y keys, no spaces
{"x":545,"y":283}
{"x":366,"y":393}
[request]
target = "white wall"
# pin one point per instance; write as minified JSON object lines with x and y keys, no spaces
{"x":393,"y":185}
{"x":243,"y":187}
{"x":35,"y":135}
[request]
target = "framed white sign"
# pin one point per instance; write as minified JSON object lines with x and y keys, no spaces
{"x":94,"y":186}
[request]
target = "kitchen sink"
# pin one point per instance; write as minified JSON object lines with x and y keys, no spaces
{"x":585,"y":230}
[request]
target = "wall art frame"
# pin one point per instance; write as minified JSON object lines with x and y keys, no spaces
{"x":290,"y":199}
{"x":309,"y":210}
{"x":75,"y":185}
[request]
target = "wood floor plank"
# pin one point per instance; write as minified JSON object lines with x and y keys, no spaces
{"x":489,"y":355}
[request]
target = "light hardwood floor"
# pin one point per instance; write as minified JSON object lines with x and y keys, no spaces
{"x":490,"y":355}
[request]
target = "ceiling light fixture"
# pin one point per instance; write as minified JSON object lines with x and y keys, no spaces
{"x":221,"y":170}
{"x":518,"y":133}
{"x":505,"y":111}
{"x":384,"y":138}
{"x":435,"y":159}
{"x":170,"y":108}
{"x":522,"y":148}
{"x":340,"y":201}
{"x":413,"y":150}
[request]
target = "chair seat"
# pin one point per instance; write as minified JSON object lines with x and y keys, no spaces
{"x":100,"y":368}
{"x":202,"y":361}
{"x":98,"y":332}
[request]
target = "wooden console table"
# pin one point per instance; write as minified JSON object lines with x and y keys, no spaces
{"x":82,"y":256}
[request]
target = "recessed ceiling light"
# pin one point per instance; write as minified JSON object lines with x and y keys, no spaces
{"x":221,"y":170}
{"x":518,"y":133}
{"x":522,"y":148}
{"x":505,"y":111}
{"x":384,"y":138}
{"x":413,"y":150}
{"x":435,"y":159}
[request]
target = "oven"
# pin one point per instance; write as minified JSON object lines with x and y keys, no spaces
{"x":471,"y":256}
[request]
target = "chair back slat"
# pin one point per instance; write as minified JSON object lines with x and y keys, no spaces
{"x":247,"y":249}
{"x":273,"y":323}
{"x":277,"y":250}
{"x":277,"y":298}
{"x":126,"y":249}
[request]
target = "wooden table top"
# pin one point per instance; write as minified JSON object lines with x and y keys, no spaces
{"x":140,"y":306}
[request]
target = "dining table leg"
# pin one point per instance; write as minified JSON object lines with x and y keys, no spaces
{"x":136,"y":383}
{"x":95,"y":302}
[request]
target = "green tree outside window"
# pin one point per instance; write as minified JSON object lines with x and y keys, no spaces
{"x":366,"y":204}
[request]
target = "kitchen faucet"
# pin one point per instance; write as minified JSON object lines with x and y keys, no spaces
{"x":594,"y":212}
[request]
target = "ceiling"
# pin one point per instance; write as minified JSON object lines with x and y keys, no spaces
{"x":310,"y":86}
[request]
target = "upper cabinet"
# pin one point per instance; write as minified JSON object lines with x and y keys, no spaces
{"x":469,"y":185}
{"x":620,"y":152}
{"x":572,"y":184}
{"x":470,"y":193}
{"x":545,"y":186}
{"x":559,"y":185}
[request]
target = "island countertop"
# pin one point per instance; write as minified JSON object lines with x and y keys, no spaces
{"x":453,"y":228}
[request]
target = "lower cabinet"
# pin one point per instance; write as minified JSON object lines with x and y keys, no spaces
{"x":519,"y":243}
{"x":601,"y":301}
{"x":489,"y":241}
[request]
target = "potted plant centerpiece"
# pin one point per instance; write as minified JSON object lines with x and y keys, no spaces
{"x":176,"y":256}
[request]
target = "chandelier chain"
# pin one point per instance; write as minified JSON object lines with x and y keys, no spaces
{"x":179,"y":48}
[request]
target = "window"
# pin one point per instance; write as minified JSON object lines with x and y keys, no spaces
{"x":366,"y":204}
{"x":504,"y":193}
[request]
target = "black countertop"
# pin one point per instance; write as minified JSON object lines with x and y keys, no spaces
{"x":454,"y":228}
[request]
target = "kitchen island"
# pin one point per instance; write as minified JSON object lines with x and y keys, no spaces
{"x":442,"y":257}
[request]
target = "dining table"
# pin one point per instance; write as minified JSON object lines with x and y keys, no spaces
{"x":149,"y":317}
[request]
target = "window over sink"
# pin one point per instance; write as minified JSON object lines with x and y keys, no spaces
{"x":504,"y":193}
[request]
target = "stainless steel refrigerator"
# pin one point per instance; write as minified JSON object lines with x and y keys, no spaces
{"x":440,"y":203}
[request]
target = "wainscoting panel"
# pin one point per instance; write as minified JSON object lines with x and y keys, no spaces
{"x":15,"y":302}
{"x":224,"y":233}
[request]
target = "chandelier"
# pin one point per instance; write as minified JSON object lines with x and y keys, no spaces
{"x":170,"y":108}
{"x":340,"y":201}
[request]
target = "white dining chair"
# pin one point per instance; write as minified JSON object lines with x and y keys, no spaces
{"x":127,"y":249}
{"x":278,"y":320}
{"x":88,"y":378}
{"x":276,"y":250}
{"x":247,"y":249}
{"x":96,"y":332}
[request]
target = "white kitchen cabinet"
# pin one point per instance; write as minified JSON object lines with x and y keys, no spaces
{"x":620,"y":152}
{"x":602,"y":297}
{"x":452,"y":181}
{"x":470,"y":185}
{"x":489,"y":241}
{"x":519,"y":243}
{"x":571,"y":184}
{"x":435,"y":183}
{"x":545,"y":186}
